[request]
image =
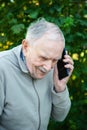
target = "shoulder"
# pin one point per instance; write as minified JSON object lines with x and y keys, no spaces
{"x":3,"y":57}
{"x":4,"y":54}
{"x":6,"y":58}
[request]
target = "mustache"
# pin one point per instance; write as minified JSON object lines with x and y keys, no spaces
{"x":42,"y":69}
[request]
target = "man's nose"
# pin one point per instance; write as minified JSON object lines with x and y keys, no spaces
{"x":48,"y":65}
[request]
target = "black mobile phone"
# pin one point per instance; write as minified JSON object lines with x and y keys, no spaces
{"x":62,"y":71}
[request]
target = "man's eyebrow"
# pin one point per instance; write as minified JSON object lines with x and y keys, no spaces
{"x":45,"y":56}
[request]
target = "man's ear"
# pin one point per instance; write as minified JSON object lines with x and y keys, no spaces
{"x":25,"y":46}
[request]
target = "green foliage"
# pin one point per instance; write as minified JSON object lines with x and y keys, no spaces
{"x":71,"y":17}
{"x":16,"y":29}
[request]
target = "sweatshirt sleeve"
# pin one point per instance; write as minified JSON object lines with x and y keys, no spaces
{"x":60,"y":105}
{"x":1,"y":97}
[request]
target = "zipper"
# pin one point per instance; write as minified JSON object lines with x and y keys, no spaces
{"x":38,"y":104}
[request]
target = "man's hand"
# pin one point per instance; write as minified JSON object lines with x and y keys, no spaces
{"x":60,"y":85}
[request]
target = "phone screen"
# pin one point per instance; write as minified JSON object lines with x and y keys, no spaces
{"x":62,"y":71}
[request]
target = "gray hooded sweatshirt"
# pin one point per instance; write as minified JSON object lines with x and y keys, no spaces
{"x":27,"y":103}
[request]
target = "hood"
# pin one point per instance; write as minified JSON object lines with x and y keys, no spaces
{"x":17,"y":52}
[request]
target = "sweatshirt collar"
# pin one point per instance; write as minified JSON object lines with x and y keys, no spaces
{"x":21,"y":59}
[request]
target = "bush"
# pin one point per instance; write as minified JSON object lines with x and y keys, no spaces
{"x":70,"y":16}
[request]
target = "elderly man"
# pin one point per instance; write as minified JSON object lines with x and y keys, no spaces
{"x":30,"y":89}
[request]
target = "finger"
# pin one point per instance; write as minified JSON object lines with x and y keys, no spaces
{"x":67,"y":56}
{"x":55,"y":70}
{"x":68,"y":59}
{"x":55,"y":74}
{"x":70,"y":67}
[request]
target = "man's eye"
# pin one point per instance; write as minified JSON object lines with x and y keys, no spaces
{"x":55,"y":60}
{"x":44,"y":58}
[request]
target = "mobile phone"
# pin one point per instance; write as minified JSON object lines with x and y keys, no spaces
{"x":62,"y":71}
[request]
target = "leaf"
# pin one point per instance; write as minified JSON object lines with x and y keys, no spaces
{"x":69,"y":21}
{"x":13,"y":21}
{"x":34,"y":14}
{"x":17,"y":28}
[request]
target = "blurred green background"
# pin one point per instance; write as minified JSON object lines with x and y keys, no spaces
{"x":71,"y":17}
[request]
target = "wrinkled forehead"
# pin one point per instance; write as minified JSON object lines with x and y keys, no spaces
{"x":51,"y":48}
{"x":54,"y":49}
{"x":46,"y":40}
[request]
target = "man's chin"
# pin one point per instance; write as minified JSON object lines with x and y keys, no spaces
{"x":38,"y":76}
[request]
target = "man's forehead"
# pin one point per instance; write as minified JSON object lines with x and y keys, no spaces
{"x":45,"y":38}
{"x":49,"y":54}
{"x":49,"y":47}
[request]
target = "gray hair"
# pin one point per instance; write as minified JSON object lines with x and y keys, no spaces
{"x":41,"y":27}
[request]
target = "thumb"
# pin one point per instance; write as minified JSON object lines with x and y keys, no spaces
{"x":55,"y":73}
